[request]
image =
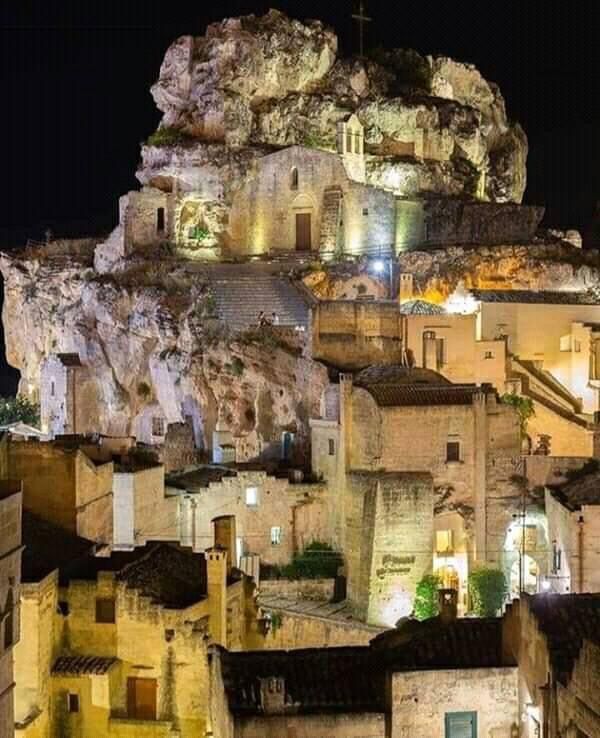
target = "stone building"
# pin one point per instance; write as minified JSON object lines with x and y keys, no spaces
{"x":428,"y":680}
{"x":66,"y":485}
{"x":554,"y":638}
{"x":10,"y":584}
{"x":451,"y":448}
{"x":60,"y":387}
{"x":275,"y":518}
{"x":118,"y":645}
{"x":573,"y":513}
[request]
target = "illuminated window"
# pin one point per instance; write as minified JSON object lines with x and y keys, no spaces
{"x":453,"y":451}
{"x":444,"y":541}
{"x":73,"y":702}
{"x":331,"y":447}
{"x":565,"y":343}
{"x":252,"y":496}
{"x":105,"y":610}
{"x":365,"y":212}
{"x":294,"y":179}
{"x":160,"y":220}
{"x":275,"y":535}
{"x":158,"y":426}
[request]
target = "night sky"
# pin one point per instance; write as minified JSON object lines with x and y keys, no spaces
{"x":75,"y":80}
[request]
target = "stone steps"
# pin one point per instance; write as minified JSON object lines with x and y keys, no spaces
{"x":239,"y":300}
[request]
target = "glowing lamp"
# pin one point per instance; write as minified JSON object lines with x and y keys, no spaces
{"x":378,"y":266}
{"x":546,"y":585}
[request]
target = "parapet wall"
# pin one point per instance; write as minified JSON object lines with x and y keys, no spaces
{"x":352,"y":334}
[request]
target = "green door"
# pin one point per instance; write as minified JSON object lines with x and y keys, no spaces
{"x":461,"y":725}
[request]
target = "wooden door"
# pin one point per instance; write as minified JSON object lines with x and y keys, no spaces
{"x":303,"y":241}
{"x":461,"y":725}
{"x":141,"y":698}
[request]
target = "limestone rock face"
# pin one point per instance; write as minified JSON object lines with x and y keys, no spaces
{"x":271,"y":81}
{"x":209,"y":85}
{"x":151,"y":350}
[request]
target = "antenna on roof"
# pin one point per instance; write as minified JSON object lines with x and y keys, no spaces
{"x":361,"y":19}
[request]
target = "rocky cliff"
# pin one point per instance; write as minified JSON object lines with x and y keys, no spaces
{"x":150,"y":346}
{"x":432,"y":124}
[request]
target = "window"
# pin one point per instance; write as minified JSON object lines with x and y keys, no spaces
{"x":275,"y":535}
{"x":556,"y":559}
{"x":366,"y":212}
{"x":252,"y":496}
{"x":141,"y":698}
{"x":488,"y":355}
{"x":105,"y":610}
{"x":73,"y":702}
{"x":349,"y":142}
{"x":565,"y":343}
{"x":294,"y":179}
{"x":331,"y":447}
{"x":453,"y":451}
{"x":444,"y":541}
{"x":461,"y":725}
{"x":52,"y":388}
{"x":160,"y":220}
{"x":158,"y":426}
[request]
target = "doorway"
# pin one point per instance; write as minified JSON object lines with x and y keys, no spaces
{"x":141,"y":698}
{"x":527,"y":577}
{"x":303,"y":232}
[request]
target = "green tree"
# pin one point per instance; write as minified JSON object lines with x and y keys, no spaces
{"x":524,"y":408}
{"x":15,"y":409}
{"x":317,"y":561}
{"x":487,"y":588}
{"x":426,"y":597}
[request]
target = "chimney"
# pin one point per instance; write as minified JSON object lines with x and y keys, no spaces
{"x":216,"y":574}
{"x":406,"y":287}
{"x":448,"y":604}
{"x":225,"y":538}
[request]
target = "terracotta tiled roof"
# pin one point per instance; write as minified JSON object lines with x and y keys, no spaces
{"x":465,"y":643}
{"x":398,"y":374}
{"x":392,"y":395}
{"x":421,"y":307}
{"x":170,"y":574}
{"x":533,"y":297}
{"x":80,"y":665}
{"x":316,"y":680}
{"x":566,"y":621}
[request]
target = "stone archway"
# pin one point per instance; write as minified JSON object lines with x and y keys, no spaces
{"x":530,"y":576}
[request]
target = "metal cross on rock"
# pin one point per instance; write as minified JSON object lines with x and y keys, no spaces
{"x":361,"y":18}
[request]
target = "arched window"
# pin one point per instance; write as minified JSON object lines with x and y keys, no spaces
{"x":294,"y":178}
{"x":349,"y":142}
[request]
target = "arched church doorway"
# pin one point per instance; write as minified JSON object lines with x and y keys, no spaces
{"x":524,"y":573}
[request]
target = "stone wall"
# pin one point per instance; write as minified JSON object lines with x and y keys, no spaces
{"x":359,"y":725}
{"x":263,"y":214}
{"x":298,"y":510}
{"x":453,"y":221}
{"x":389,"y":542}
{"x":302,"y":589}
{"x":298,"y":630}
{"x":10,"y":578}
{"x":353,"y":334}
{"x":421,"y":700}
{"x":579,"y":702}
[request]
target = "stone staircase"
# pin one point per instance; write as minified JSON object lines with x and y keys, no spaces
{"x":240,"y":297}
{"x":330,"y":222}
